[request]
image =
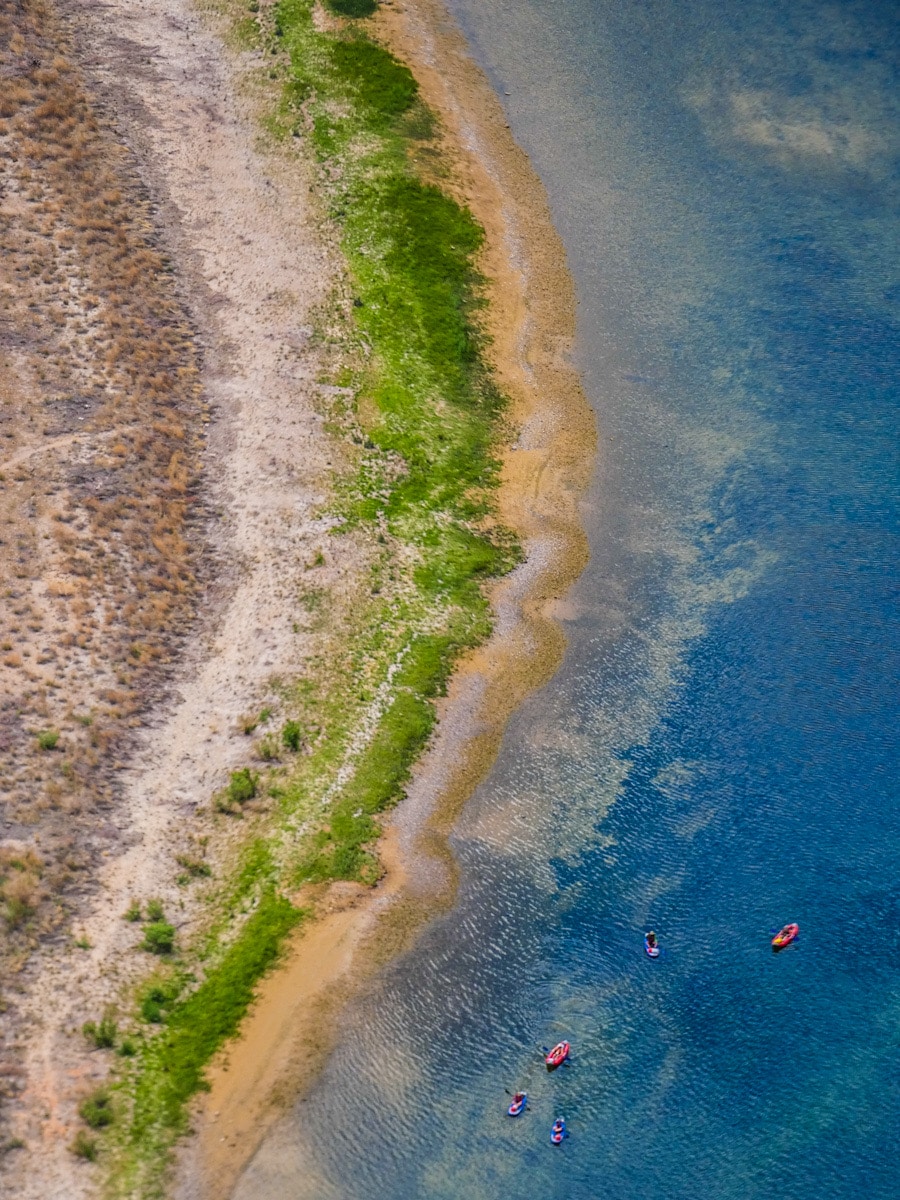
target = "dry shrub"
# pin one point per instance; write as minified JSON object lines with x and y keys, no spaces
{"x":12,"y":97}
{"x":61,"y":587}
{"x":20,"y":885}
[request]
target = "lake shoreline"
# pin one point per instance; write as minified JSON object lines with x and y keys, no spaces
{"x":530,"y":319}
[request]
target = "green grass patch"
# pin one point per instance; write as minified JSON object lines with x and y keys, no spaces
{"x":96,"y":1111}
{"x":340,"y":850}
{"x":380,"y":87}
{"x":292,"y":735}
{"x":352,"y":8}
{"x":242,"y":786}
{"x":433,"y":412}
{"x":101,"y":1034}
{"x":158,"y":996}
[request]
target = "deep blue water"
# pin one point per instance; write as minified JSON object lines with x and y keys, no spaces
{"x":718,"y":754}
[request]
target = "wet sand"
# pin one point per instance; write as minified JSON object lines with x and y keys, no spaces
{"x":530,"y":318}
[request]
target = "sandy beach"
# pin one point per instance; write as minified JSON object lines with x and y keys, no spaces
{"x":254,"y":260}
{"x":545,"y":471}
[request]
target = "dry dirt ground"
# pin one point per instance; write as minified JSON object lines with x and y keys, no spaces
{"x":222,"y":422}
{"x":100,"y":417}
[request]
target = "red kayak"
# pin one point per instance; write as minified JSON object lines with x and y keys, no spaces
{"x":789,"y":934}
{"x":558,"y":1055}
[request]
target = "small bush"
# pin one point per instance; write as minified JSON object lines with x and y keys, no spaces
{"x":291,"y":735}
{"x":17,"y":912}
{"x":352,"y":8}
{"x":159,"y":938}
{"x":21,"y":892}
{"x":132,"y":912}
{"x":103,"y":1035}
{"x":195,"y":867}
{"x":48,"y":739}
{"x":242,"y":786}
{"x":84,"y":1146}
{"x":151,"y":1010}
{"x":128,"y":1048}
{"x":266,"y":750}
{"x":155,"y":910}
{"x":96,"y":1111}
{"x":155,"y":1000}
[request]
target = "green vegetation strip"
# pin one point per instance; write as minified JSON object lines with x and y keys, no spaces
{"x":201,"y":1023}
{"x":431,"y":404}
{"x":424,"y":422}
{"x":172,"y":1065}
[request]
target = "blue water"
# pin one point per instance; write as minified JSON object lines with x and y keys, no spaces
{"x":718,"y":754}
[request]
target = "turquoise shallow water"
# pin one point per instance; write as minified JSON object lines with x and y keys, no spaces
{"x":718,"y":754}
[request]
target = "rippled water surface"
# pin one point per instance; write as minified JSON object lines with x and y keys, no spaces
{"x":718,"y":754}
